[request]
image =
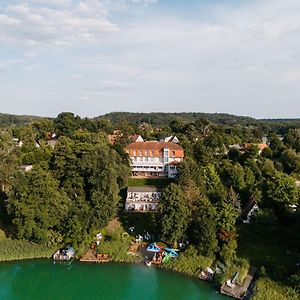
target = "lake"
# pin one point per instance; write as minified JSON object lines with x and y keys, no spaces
{"x":44,"y":280}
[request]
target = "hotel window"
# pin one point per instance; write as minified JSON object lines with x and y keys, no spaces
{"x":146,"y":158}
{"x":146,"y":153}
{"x":152,"y":153}
{"x":134,"y":153}
{"x":173,"y":153}
{"x":141,"y":153}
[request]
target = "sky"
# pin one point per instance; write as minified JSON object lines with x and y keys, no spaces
{"x":92,"y":57}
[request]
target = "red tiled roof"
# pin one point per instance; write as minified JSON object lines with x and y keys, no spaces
{"x":262,"y":146}
{"x":153,"y":146}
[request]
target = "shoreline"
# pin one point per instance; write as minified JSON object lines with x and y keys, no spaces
{"x":48,"y":259}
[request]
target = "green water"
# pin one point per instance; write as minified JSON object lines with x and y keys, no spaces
{"x":43,"y":280}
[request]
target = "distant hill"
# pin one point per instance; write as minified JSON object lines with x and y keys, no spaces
{"x":160,"y":118}
{"x":165,"y":118}
{"x":8,"y":119}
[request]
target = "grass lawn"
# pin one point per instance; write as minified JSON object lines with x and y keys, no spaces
{"x":116,"y":244}
{"x":148,"y":181}
{"x":118,"y":250}
{"x":142,"y":222}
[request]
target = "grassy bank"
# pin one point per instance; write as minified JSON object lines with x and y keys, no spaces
{"x":116,"y":243}
{"x":17,"y":249}
{"x":118,"y":251}
{"x":189,"y":262}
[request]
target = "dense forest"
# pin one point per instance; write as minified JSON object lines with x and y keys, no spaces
{"x":78,"y":179}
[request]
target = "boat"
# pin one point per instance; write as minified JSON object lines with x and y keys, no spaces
{"x":148,"y":263}
{"x":171,"y":252}
{"x":153,"y":248}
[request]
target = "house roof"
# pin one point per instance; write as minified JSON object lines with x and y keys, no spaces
{"x":134,"y":137}
{"x":141,"y":189}
{"x":259,"y":146}
{"x":153,"y":145}
{"x":262,"y":146}
{"x":247,"y":208}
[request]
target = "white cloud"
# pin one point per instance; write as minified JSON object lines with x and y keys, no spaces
{"x":125,"y":4}
{"x":243,"y":60}
{"x":37,"y":23}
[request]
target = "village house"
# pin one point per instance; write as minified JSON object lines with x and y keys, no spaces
{"x":142,"y":199}
{"x":155,"y":159}
{"x":112,"y":138}
{"x":260,"y":147}
{"x":18,"y":142}
{"x":243,"y":148}
{"x":135,"y":138}
{"x":51,"y":139}
{"x":171,"y":138}
{"x":248,"y":210}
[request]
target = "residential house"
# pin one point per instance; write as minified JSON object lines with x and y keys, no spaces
{"x":248,"y":210}
{"x":51,"y":139}
{"x":18,"y":142}
{"x":25,"y":168}
{"x":260,"y":147}
{"x":112,"y":138}
{"x":171,"y":138}
{"x":136,"y":138}
{"x":51,"y":135}
{"x":64,"y":254}
{"x":142,"y":199}
{"x":155,"y":159}
{"x":235,"y":146}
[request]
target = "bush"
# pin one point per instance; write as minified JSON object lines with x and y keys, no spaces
{"x":267,"y":289}
{"x":189,"y":262}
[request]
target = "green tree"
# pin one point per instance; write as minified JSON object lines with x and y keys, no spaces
{"x":204,"y":230}
{"x":174,"y":214}
{"x":276,"y":145}
{"x":281,"y":189}
{"x":214,"y":187}
{"x":37,"y":206}
{"x":66,"y":124}
{"x":290,"y":161}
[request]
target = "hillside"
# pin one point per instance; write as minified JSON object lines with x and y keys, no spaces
{"x":9,"y":119}
{"x":160,"y":118}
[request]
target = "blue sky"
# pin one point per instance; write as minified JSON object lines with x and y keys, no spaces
{"x":92,"y":57}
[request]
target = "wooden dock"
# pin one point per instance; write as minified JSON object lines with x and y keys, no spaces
{"x":93,"y":257}
{"x":133,"y":248}
{"x":238,"y":291}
